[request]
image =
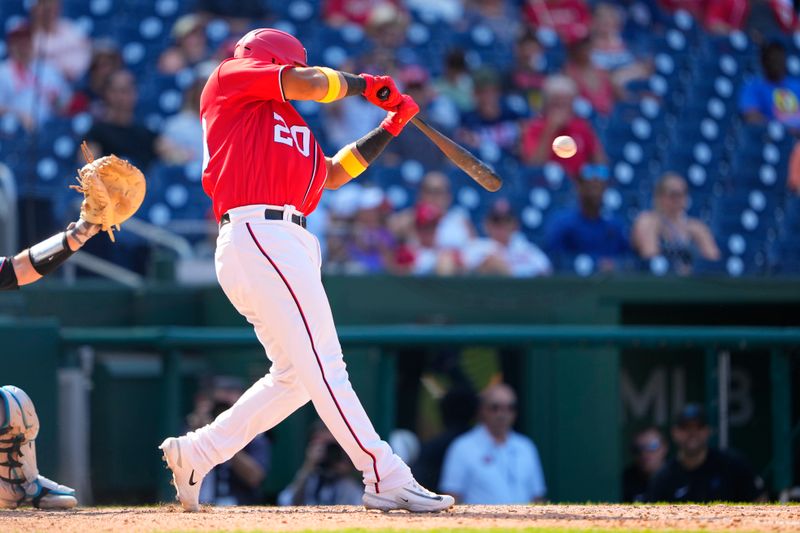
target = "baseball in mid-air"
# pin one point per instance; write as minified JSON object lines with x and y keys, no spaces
{"x":564,"y":146}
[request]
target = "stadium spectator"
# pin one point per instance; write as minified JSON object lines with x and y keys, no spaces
{"x":649,"y":448}
{"x":767,"y":18}
{"x":696,"y":8}
{"x":418,"y":254}
{"x":774,"y":95}
{"x":340,"y":12}
{"x":726,"y":16}
{"x":594,"y":84}
{"x":585,"y":230}
{"x":371,"y":246}
{"x":669,"y":232}
{"x":59,"y":41}
{"x":239,"y":480}
{"x":528,"y":74}
{"x":610,"y":52}
{"x":491,"y":463}
{"x":240,"y":15}
{"x":386,"y":25}
{"x":793,"y":183}
{"x":341,"y":207}
{"x":570,"y":19}
{"x":106,"y":59}
{"x":557,"y":119}
{"x":504,"y":251}
{"x":326,"y":476}
{"x":116,"y":131}
{"x":190,"y":48}
{"x":457,"y":408}
{"x":30,"y":89}
{"x":453,"y":227}
{"x":493,"y":123}
{"x":456,"y":82}
{"x":348,"y":119}
{"x":181,"y":139}
{"x":499,"y":16}
{"x":699,"y":473}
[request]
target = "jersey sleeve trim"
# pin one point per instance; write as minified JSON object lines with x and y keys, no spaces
{"x":280,"y":83}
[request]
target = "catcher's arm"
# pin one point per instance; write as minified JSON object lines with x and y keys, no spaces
{"x":40,"y":259}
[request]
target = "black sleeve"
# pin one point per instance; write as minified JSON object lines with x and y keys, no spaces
{"x":8,"y":278}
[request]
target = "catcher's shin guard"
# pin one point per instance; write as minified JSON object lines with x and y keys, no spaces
{"x":19,"y":474}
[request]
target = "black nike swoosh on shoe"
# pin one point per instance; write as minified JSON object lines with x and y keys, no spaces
{"x":406,"y":501}
{"x":434,"y":498}
{"x":192,"y":482}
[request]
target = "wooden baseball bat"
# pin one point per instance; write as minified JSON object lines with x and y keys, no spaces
{"x":463,"y":159}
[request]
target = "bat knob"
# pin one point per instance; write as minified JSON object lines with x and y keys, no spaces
{"x":383,"y":93}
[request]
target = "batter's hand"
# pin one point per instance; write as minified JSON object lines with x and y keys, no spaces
{"x":400,"y":116}
{"x":376,"y":84}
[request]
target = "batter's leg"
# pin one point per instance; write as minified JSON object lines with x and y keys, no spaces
{"x":290,"y":301}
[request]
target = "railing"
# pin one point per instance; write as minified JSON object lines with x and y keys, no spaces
{"x":715,"y":341}
{"x":8,"y":211}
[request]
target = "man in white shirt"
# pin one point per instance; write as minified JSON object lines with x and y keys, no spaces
{"x":30,"y":89}
{"x":492,"y":464}
{"x":504,"y":251}
{"x":59,"y":41}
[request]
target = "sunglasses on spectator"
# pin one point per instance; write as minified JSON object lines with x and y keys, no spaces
{"x":497,"y":407}
{"x":675,"y":193}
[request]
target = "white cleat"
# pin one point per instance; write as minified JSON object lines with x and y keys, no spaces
{"x":47,"y":494}
{"x":411,"y":497}
{"x":184,"y":477}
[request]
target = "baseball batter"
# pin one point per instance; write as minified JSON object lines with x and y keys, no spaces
{"x":20,"y":482}
{"x":265,"y":172}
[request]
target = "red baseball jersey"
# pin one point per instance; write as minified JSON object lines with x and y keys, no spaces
{"x":257,"y":147}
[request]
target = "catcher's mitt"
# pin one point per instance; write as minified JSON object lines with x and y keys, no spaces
{"x":113,"y":190}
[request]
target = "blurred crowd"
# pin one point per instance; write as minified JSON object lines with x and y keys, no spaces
{"x":506,"y":110}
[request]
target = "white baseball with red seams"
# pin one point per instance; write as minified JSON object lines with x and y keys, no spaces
{"x":270,"y":271}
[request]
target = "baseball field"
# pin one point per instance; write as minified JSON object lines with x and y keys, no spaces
{"x":535,"y":518}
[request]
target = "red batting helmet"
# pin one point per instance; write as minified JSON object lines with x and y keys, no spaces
{"x":275,"y":46}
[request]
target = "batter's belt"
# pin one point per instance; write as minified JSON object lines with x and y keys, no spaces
{"x":270,"y":214}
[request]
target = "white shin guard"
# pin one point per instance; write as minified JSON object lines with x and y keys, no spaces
{"x":20,"y":481}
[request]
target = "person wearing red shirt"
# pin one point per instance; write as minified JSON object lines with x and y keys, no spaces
{"x":570,"y":19}
{"x":726,"y":16}
{"x":265,"y":172}
{"x":559,"y":119}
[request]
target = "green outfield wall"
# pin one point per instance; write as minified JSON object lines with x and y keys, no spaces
{"x":579,"y":403}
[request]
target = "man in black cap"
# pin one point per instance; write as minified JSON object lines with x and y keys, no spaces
{"x":698,"y":473}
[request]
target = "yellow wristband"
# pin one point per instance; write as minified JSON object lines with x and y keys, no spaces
{"x":334,"y":85}
{"x":350,"y":162}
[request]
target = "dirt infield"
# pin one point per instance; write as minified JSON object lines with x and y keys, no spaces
{"x":170,"y":518}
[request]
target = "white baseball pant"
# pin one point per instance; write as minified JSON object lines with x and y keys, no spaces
{"x":270,"y":271}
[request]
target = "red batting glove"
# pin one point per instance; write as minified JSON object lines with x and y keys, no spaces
{"x":397,"y":118}
{"x":375,"y":84}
